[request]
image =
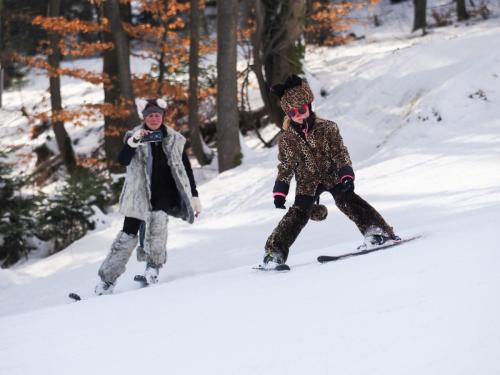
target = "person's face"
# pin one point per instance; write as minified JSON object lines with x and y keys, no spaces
{"x":299,"y":114}
{"x":154,"y":120}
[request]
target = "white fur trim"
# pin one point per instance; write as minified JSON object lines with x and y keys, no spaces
{"x":141,"y":104}
{"x":196,"y":203}
{"x":131,"y":141}
{"x":161,"y":103}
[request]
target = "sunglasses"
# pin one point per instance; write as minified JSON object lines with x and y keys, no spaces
{"x":295,"y":111}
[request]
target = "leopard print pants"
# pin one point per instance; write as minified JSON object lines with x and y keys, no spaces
{"x":351,"y":204}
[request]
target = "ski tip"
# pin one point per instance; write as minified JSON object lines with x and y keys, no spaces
{"x":325,"y":258}
{"x":278,"y":268}
{"x":74,"y":297}
{"x":282,"y":267}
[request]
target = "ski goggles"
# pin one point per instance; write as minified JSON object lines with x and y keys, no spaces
{"x":295,"y":111}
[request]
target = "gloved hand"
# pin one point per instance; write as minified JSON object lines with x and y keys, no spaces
{"x":135,"y":140}
{"x":347,"y":185}
{"x":279,"y":201}
{"x":196,"y":203}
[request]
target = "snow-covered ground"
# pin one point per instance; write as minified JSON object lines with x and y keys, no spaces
{"x":421,"y":117}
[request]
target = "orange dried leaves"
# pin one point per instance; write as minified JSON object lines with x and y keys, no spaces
{"x":63,"y":26}
{"x":40,"y":63}
{"x":329,"y":22}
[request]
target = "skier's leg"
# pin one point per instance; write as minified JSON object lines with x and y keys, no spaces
{"x":360,"y":212}
{"x":155,"y":243}
{"x":121,"y":249}
{"x":141,"y":255}
{"x":288,"y":229}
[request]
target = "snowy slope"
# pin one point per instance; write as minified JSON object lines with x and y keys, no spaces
{"x":428,"y":307}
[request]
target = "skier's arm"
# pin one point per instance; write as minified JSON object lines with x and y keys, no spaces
{"x":286,"y":168}
{"x":189,"y":171}
{"x":195,"y":201}
{"x":127,"y":152}
{"x":341,"y":154}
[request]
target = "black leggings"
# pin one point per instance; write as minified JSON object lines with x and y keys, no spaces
{"x":131,"y":225}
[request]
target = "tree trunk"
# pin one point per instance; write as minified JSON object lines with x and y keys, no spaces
{"x":246,"y":11}
{"x":1,"y":84}
{"x":228,"y":141}
{"x":194,"y":122}
{"x":122,"y":49}
{"x":116,"y":65}
{"x":420,"y":20}
{"x":62,"y":138}
{"x":286,"y":52}
{"x":161,"y":68}
{"x":113,"y":127}
{"x":257,"y":67}
{"x":277,"y":46}
{"x":1,"y":49}
{"x":462,"y":11}
{"x":161,"y":59}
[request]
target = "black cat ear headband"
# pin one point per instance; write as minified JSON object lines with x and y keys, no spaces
{"x":291,"y":82}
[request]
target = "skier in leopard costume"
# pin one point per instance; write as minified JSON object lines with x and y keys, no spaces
{"x":312,"y":150}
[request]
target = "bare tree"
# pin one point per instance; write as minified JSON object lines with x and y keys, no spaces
{"x":278,"y":51}
{"x":420,"y":20}
{"x":117,"y":66}
{"x":54,"y":58}
{"x":462,"y":11}
{"x":1,"y":48}
{"x":121,"y":42}
{"x":162,"y":69}
{"x":228,"y":142}
{"x":194,"y":121}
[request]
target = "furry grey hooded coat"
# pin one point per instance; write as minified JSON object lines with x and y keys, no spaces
{"x":135,"y":199}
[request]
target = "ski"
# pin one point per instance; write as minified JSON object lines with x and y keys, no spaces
{"x":141,"y":279}
{"x":75,"y":297}
{"x":278,"y":268}
{"x":333,"y":258}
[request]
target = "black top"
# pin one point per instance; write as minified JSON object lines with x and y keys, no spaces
{"x":164,"y":192}
{"x":306,"y":126}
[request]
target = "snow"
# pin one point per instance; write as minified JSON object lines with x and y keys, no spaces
{"x":427,"y":307}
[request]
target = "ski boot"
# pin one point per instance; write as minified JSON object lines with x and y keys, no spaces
{"x":103,"y":288}
{"x":151,"y":273}
{"x":376,"y":237}
{"x":272,"y":260}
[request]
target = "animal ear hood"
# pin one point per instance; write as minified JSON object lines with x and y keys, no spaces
{"x":161,"y":103}
{"x":148,"y":106}
{"x":291,"y":82}
{"x":293,"y":93}
{"x":141,"y":104}
{"x":278,"y":90}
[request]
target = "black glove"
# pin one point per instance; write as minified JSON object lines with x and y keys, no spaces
{"x":279,"y":202}
{"x":347,"y":185}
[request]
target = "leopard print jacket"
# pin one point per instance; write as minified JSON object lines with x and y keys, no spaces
{"x":317,"y":157}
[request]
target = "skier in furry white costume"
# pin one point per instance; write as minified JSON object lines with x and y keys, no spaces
{"x":159,"y":182}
